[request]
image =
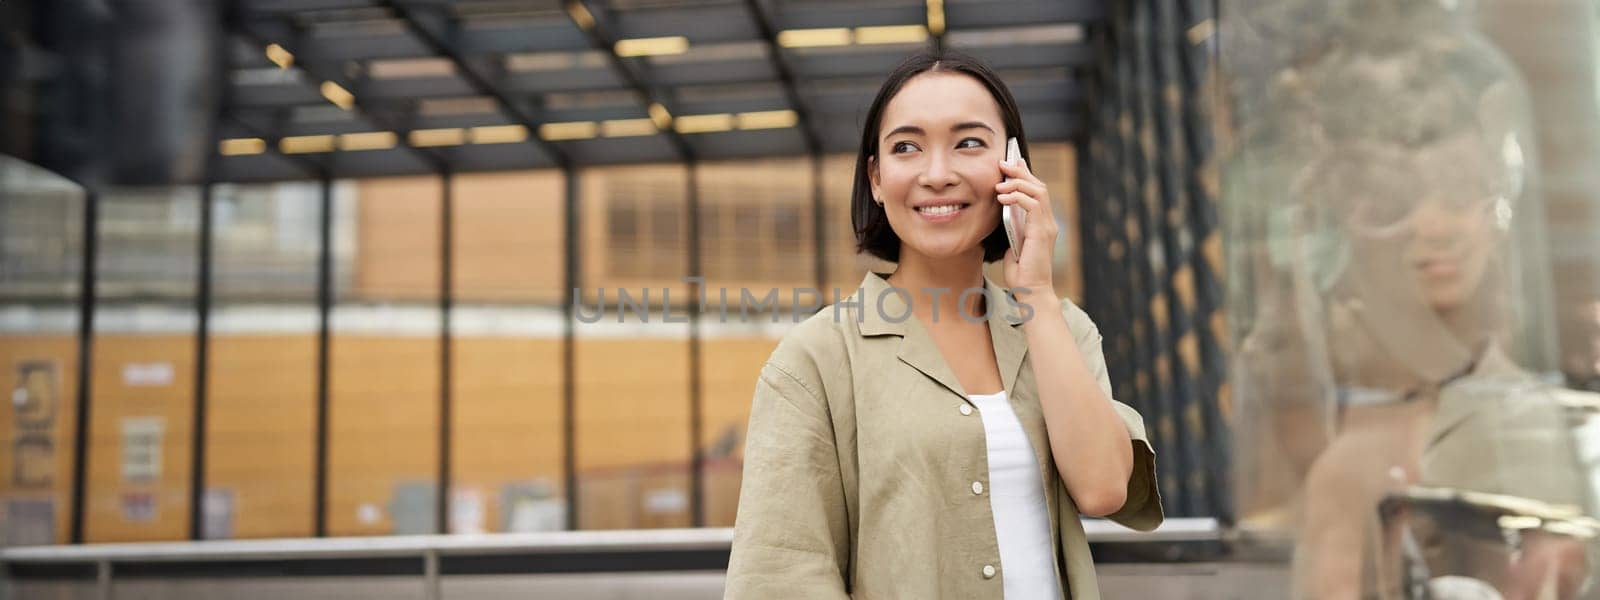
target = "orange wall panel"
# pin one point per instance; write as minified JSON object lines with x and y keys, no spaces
{"x":508,"y":242}
{"x":261,"y":420}
{"x":632,"y":402}
{"x":507,"y":417}
{"x":51,"y":415}
{"x":383,"y":418}
{"x":113,"y":512}
{"x":397,"y":238}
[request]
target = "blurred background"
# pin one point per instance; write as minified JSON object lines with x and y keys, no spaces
{"x":323,"y":273}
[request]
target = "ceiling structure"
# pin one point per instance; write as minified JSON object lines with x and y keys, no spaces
{"x":359,"y":88}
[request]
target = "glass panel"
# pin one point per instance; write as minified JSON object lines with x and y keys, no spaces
{"x":632,"y":388}
{"x":763,"y":250}
{"x":508,"y":252}
{"x":1385,"y":181}
{"x":845,"y":267}
{"x":142,"y":393}
{"x":383,"y":414}
{"x":262,"y":386}
{"x":41,"y":258}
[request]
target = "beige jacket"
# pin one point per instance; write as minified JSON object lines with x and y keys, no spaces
{"x":859,"y":465}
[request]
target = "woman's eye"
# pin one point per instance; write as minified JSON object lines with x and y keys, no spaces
{"x":903,"y":147}
{"x":976,"y":143}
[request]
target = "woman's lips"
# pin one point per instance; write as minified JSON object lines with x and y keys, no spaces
{"x":1440,"y":268}
{"x":943,"y":215}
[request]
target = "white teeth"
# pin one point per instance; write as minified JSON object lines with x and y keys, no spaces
{"x":939,"y":210}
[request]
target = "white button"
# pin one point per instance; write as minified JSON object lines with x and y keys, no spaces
{"x":988,"y":571}
{"x":966,"y":409}
{"x":977,"y":487}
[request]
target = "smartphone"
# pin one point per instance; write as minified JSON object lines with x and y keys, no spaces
{"x":1011,"y":215}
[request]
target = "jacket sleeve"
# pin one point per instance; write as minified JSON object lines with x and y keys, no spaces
{"x":791,"y":535}
{"x":1142,"y":509}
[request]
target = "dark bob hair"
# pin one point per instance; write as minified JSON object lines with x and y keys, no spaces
{"x":871,"y":223}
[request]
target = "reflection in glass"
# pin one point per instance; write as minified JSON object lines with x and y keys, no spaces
{"x":1394,"y":337}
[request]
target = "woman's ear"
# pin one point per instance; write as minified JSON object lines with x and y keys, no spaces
{"x":872,"y":178}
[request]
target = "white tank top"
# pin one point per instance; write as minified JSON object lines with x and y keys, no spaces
{"x":1016,"y":497}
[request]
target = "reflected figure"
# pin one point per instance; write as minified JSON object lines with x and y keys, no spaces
{"x":1415,"y":456}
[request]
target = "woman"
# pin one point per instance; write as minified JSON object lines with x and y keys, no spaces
{"x":901,"y":446}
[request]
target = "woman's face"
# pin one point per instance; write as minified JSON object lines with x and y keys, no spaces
{"x":939,"y":148}
{"x":1430,"y":219}
{"x":1448,"y":252}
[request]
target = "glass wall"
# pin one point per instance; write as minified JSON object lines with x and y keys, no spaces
{"x":507,"y":414}
{"x":261,"y":394}
{"x":41,"y":262}
{"x":384,"y":358}
{"x":1399,"y":182}
{"x":757,"y":240}
{"x":658,"y":381}
{"x":632,"y":441}
{"x":141,"y":399}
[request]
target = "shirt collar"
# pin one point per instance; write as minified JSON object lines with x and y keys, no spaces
{"x":918,"y":349}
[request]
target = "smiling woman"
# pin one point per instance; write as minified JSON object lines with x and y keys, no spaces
{"x":950,"y":454}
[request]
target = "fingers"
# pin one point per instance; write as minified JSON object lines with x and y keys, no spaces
{"x":1027,"y":202}
{"x":1019,"y":170}
{"x":1032,"y":188}
{"x":1039,"y":216}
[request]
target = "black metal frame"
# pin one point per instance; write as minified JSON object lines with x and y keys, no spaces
{"x":446,"y":358}
{"x":324,"y":312}
{"x":572,"y":279}
{"x":1147,"y":217}
{"x":86,"y":303}
{"x":202,"y":353}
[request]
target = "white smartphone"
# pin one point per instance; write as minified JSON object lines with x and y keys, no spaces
{"x":1011,"y":215}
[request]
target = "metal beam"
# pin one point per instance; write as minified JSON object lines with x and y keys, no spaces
{"x":313,"y":168}
{"x":438,"y":162}
{"x":601,"y":38}
{"x":769,"y":33}
{"x":443,"y":43}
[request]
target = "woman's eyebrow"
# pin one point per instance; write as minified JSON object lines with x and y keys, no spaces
{"x":913,"y":129}
{"x":972,"y":125}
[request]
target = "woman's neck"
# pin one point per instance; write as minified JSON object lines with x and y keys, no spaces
{"x":940,"y":283}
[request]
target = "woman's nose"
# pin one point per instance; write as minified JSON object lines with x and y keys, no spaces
{"x":939,"y":175}
{"x":1434,"y":219}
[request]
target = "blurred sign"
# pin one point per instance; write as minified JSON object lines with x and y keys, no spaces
{"x":666,"y":501}
{"x":147,"y":374}
{"x":139,"y":507}
{"x":29,"y":522}
{"x":531,"y":506}
{"x":411,"y":508}
{"x":218,"y":514}
{"x":141,"y":448}
{"x":467,"y":511}
{"x":34,"y":405}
